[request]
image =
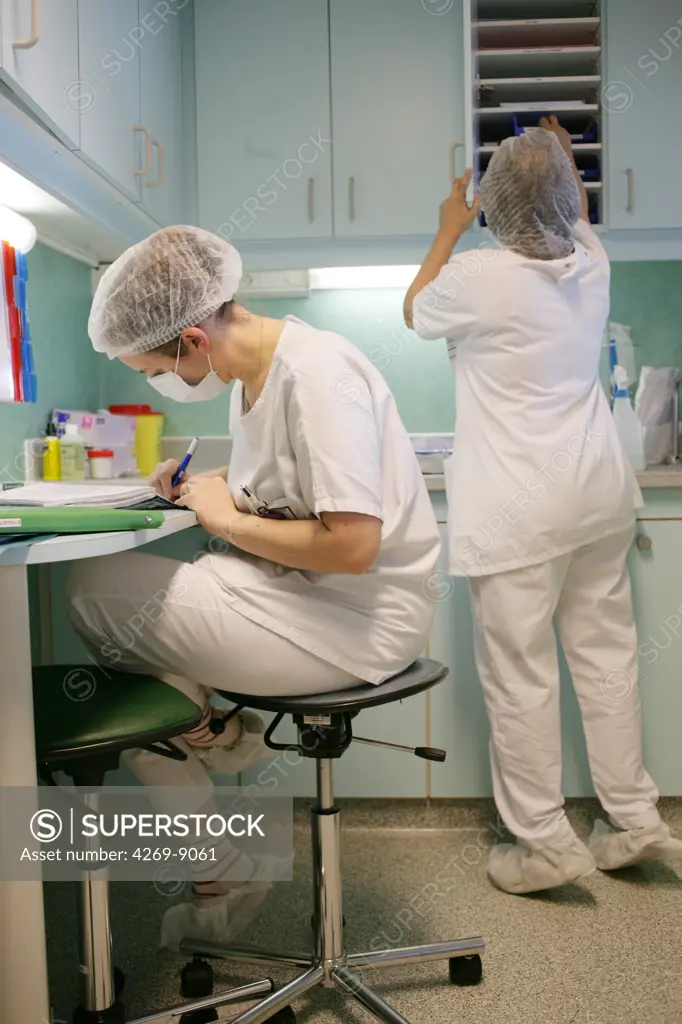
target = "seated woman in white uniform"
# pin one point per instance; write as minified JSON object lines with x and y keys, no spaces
{"x":320,"y":584}
{"x":541,"y":506}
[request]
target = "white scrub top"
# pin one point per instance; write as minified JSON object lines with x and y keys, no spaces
{"x":537,"y":468}
{"x":325,"y":436}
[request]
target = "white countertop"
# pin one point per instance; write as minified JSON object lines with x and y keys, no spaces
{"x":653,"y":477}
{"x":71,"y":546}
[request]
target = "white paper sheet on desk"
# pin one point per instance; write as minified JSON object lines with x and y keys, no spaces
{"x":61,"y":495}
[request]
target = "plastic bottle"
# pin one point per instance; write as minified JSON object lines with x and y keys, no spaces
{"x":618,"y":350}
{"x":627,"y":422}
{"x":72,"y":452}
{"x":51,"y":454}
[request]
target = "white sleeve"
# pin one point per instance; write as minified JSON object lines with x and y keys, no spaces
{"x":335,"y":436}
{"x":442,"y":309}
{"x":583,"y":233}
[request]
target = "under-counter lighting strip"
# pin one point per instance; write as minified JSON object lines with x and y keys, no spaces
{"x":362,"y":277}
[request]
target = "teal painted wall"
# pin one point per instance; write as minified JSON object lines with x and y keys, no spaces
{"x":647,"y":296}
{"x":59,"y":297}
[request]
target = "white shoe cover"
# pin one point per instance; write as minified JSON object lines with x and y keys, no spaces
{"x":217,"y":919}
{"x":248,"y":748}
{"x":612,"y":850}
{"x":524,"y":868}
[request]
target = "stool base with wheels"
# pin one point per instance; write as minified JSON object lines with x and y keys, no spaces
{"x":325,"y":732}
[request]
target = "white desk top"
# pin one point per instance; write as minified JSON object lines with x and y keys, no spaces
{"x":70,"y":547}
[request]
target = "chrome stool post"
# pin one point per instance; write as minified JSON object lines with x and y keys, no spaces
{"x":330,"y":966}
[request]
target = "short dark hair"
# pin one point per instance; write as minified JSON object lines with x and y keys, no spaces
{"x":223,"y":315}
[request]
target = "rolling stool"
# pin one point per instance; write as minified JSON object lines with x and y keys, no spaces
{"x":324,"y":733}
{"x":84,"y":737}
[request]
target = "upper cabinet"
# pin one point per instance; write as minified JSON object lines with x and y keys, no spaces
{"x":112,"y":137}
{"x":397,"y":113}
{"x":264,"y":119}
{"x":642,"y":97}
{"x":39,"y":60}
{"x":162,"y":112}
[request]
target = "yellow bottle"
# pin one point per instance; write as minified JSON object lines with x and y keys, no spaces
{"x":148,"y":441}
{"x":51,"y":454}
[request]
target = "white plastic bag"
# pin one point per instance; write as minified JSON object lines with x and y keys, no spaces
{"x":654,"y":407}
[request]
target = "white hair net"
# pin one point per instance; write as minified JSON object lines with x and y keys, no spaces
{"x":530,"y":196}
{"x":174,"y":279}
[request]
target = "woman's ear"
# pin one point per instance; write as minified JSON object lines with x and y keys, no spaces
{"x":194,"y":339}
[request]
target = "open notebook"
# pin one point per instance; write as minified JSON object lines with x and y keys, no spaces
{"x":79,"y":495}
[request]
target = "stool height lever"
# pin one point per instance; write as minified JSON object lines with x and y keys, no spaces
{"x":427,"y":753}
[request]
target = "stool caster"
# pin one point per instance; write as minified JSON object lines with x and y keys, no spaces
{"x":466,"y":970}
{"x":196,"y":981}
{"x":284,"y":1016}
{"x":200,"y":1017}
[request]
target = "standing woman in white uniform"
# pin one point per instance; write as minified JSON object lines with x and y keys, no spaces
{"x":321,"y":586}
{"x":541,"y":506}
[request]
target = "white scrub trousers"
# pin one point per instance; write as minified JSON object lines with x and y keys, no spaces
{"x":144,"y":613}
{"x":586,"y":593}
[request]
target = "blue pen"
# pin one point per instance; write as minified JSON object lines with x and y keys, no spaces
{"x":185,"y":462}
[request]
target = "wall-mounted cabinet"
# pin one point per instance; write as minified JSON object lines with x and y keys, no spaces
{"x":111,"y":136}
{"x":643,"y":96}
{"x":264,"y":121}
{"x":329,"y":130}
{"x":39,"y":60}
{"x":161,"y":114}
{"x":114,"y":84}
{"x":397,"y":114}
{"x":296,"y":146}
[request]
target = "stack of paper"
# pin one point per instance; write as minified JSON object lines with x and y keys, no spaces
{"x":63,"y":495}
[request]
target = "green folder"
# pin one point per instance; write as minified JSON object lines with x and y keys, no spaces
{"x":33,"y":519}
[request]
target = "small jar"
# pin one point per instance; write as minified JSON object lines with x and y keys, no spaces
{"x":101,"y":461}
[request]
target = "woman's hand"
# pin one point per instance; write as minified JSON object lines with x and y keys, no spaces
{"x":162,"y":479}
{"x":551,"y":124}
{"x":210,"y":498}
{"x":456,"y":216}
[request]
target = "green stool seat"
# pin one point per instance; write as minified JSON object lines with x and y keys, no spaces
{"x":82,"y":711}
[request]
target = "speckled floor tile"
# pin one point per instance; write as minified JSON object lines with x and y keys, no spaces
{"x":607,"y":951}
{"x":458,"y":813}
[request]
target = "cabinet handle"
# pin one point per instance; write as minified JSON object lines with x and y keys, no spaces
{"x":643,"y":542}
{"x":629,"y":174}
{"x":27,"y":44}
{"x":161,"y":172}
{"x":351,"y":198}
{"x":311,"y":200}
{"x":453,"y":152}
{"x":148,"y":150}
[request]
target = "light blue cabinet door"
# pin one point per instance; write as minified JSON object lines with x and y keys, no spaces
{"x":162,"y":111}
{"x":109,"y":44}
{"x":657,"y":594}
{"x":458,"y":719}
{"x":642,"y":99}
{"x":39,"y":61}
{"x":263,"y":119}
{"x":397,"y":113}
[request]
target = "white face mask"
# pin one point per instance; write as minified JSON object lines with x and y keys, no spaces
{"x":171,"y":384}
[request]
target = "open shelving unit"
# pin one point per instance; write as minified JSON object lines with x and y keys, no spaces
{"x":536,"y":57}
